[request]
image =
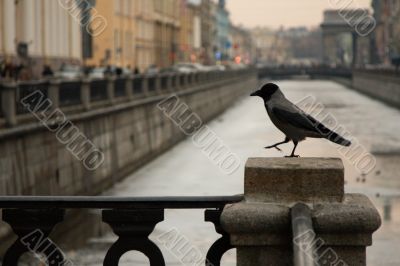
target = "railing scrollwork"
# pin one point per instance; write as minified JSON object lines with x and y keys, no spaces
{"x":131,"y":219}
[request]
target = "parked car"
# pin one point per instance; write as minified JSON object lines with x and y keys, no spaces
{"x":97,"y":73}
{"x":152,"y":70}
{"x":216,"y":68}
{"x":190,"y":67}
{"x":69,"y":72}
{"x":100,"y":72}
{"x":235,"y":66}
{"x":184,"y":68}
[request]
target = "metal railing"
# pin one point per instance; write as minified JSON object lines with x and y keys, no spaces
{"x":1,"y":101}
{"x":25,"y":89}
{"x":119,"y":87}
{"x":137,"y":85}
{"x":304,"y":245}
{"x":70,"y":93}
{"x":98,"y":89}
{"x":131,"y":218}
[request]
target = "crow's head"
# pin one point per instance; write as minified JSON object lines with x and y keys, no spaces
{"x":266,"y":91}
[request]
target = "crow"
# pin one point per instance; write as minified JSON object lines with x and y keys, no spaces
{"x":292,"y":121}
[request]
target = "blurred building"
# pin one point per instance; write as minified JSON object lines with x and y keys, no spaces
{"x":87,"y":34}
{"x":35,"y":33}
{"x":242,"y":45}
{"x":190,"y":32}
{"x":304,"y":45}
{"x":145,"y":38}
{"x":271,"y":46}
{"x":208,"y":31}
{"x":116,"y":43}
{"x":385,"y":40}
{"x":223,"y":26}
{"x":342,"y":42}
{"x":167,"y":27}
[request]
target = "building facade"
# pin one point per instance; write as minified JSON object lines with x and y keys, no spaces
{"x":35,"y":33}
{"x":223,"y":26}
{"x":167,"y":27}
{"x":242,"y":45}
{"x":145,"y":37}
{"x":208,"y":31}
{"x":270,"y":45}
{"x":116,"y":43}
{"x":190,"y":32}
{"x":385,"y":40}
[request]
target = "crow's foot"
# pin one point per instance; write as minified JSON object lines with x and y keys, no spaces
{"x":273,"y":146}
{"x":293,"y":156}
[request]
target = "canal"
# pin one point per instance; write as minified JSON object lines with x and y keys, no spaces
{"x":245,"y":129}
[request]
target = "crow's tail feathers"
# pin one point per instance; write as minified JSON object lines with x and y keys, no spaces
{"x":334,"y":137}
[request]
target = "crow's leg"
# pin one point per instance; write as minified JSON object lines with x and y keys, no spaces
{"x":295,"y":146}
{"x":277,"y":144}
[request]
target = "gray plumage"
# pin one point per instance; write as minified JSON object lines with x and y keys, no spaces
{"x":292,"y":121}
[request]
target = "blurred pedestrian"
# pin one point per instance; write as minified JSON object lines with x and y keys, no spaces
{"x":108,"y":71}
{"x":118,"y":71}
{"x":47,"y":72}
{"x":7,"y":69}
{"x":19,"y":72}
{"x":136,"y":71}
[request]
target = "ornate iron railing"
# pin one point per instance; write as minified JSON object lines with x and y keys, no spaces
{"x":24,"y":89}
{"x":132,"y":219}
{"x":70,"y":93}
{"x":119,"y":87}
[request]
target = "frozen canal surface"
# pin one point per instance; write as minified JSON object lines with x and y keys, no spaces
{"x":245,"y":129}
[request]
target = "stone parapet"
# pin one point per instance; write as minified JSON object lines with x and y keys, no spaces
{"x":260,"y":226}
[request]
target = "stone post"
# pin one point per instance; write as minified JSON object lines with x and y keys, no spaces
{"x":190,"y":79}
{"x":129,"y":87}
{"x":177,"y":85}
{"x":157,"y":82}
{"x":85,"y":93}
{"x":110,"y":89}
{"x":169,"y":82}
{"x":260,"y":226}
{"x":8,"y":103}
{"x":145,"y":85}
{"x":54,"y":93}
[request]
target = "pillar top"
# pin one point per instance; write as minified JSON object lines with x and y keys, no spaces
{"x":294,"y":179}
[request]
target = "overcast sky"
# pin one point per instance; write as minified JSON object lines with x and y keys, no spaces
{"x":274,"y":13}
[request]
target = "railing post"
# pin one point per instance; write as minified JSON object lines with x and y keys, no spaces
{"x":157,"y":83}
{"x":169,"y":82}
{"x":177,"y":78}
{"x":129,"y":87}
{"x":54,"y":93}
{"x":260,"y":227}
{"x":185,"y":81}
{"x":110,"y":89}
{"x":85,"y":93}
{"x":8,"y":98}
{"x":145,"y":85}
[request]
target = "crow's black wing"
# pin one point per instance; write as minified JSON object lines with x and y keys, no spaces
{"x":306,"y":122}
{"x":299,"y":120}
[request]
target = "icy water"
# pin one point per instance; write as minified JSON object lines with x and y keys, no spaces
{"x":246,"y":129}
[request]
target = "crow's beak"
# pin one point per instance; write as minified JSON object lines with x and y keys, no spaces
{"x":254,"y":94}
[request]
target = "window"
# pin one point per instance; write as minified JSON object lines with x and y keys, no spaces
{"x":117,"y":6}
{"x":117,"y":44}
